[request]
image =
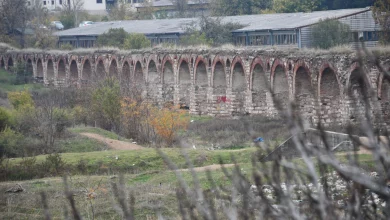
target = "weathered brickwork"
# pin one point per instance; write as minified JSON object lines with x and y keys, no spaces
{"x":324,"y":87}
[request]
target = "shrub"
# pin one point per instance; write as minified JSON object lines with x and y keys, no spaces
{"x":66,"y":47}
{"x":5,"y":118}
{"x":20,"y":99}
{"x":330,"y":33}
{"x":115,"y":37}
{"x":11,"y":143}
{"x":136,"y":41}
{"x":196,"y":38}
{"x":167,"y":122}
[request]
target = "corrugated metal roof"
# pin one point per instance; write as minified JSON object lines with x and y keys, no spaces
{"x":251,"y":22}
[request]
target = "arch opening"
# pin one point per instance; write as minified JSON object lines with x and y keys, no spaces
{"x":201,"y":85}
{"x":153,"y":81}
{"x":239,"y":87}
{"x":2,"y":65}
{"x":184,"y":85}
{"x":86,"y":73}
{"x":113,"y":70}
{"x":385,"y":98}
{"x":125,"y":78}
{"x":168,"y":84}
{"x":39,"y":70}
{"x":303,"y":94}
{"x":29,"y":72}
{"x":219,"y":79}
{"x":61,"y":70}
{"x":138,"y":82}
{"x":280,"y":86}
{"x":50,"y":72}
{"x":10,"y":63}
{"x":73,"y":70}
{"x":259,"y":87}
{"x":100,"y":71}
{"x":358,"y":90}
{"x":329,"y":96}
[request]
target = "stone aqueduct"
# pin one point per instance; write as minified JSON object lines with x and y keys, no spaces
{"x":224,"y":82}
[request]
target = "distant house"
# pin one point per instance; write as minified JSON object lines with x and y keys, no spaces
{"x":166,"y":7}
{"x":281,"y":30}
{"x":91,"y":6}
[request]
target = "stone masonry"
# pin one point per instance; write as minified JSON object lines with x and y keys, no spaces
{"x":323,"y":86}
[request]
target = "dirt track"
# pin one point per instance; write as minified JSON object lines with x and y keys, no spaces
{"x":113,"y":144}
{"x":209,"y":167}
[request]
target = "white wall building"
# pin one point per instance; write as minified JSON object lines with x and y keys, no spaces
{"x":91,"y":6}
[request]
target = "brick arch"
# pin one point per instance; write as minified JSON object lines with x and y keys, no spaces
{"x":10,"y":59}
{"x":380,"y":79}
{"x":356,"y":66}
{"x":2,"y":63}
{"x":165,"y":59}
{"x":325,"y":66}
{"x":214,"y":63}
{"x":73,"y":73}
{"x":135,"y":62}
{"x":152,"y":57}
{"x":197,"y":61}
{"x":84,"y":76}
{"x":113,"y":68}
{"x":275,"y":64}
{"x":181,"y":59}
{"x":50,"y":74}
{"x":237,"y":59}
{"x":40,"y":68}
{"x":297,"y":65}
{"x":256,"y":61}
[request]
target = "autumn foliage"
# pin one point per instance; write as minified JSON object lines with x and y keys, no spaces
{"x":150,"y":120}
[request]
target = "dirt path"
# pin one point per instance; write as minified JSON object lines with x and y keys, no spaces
{"x":113,"y":144}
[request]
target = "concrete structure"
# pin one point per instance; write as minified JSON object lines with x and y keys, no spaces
{"x":292,"y":30}
{"x":227,"y":82}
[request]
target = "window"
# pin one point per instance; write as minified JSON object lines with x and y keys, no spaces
{"x":285,"y":39}
{"x":99,"y":1}
{"x":52,"y":2}
{"x":260,"y":40}
{"x":60,"y":2}
{"x":44,"y":2}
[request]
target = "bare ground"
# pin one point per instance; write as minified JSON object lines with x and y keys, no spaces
{"x":113,"y":144}
{"x":209,"y":167}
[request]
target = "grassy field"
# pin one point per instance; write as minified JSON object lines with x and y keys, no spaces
{"x":102,"y":132}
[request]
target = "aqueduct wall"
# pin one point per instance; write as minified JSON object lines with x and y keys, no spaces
{"x":224,"y":82}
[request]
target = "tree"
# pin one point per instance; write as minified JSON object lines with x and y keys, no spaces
{"x":210,"y":30}
{"x":167,"y":122}
{"x":106,"y":102}
{"x":329,"y":33}
{"x":181,"y":6}
{"x":381,"y":13}
{"x":70,"y":12}
{"x":120,"y":11}
{"x":5,"y":118}
{"x":136,"y":41}
{"x":238,"y":7}
{"x":114,"y":37}
{"x":14,"y":15}
{"x":287,"y":6}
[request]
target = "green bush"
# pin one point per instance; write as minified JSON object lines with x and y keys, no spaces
{"x":5,"y":118}
{"x":136,"y":41}
{"x":115,"y":37}
{"x":196,"y":38}
{"x":11,"y":143}
{"x":330,"y":33}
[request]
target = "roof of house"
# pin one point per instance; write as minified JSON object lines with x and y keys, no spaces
{"x":285,"y":21}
